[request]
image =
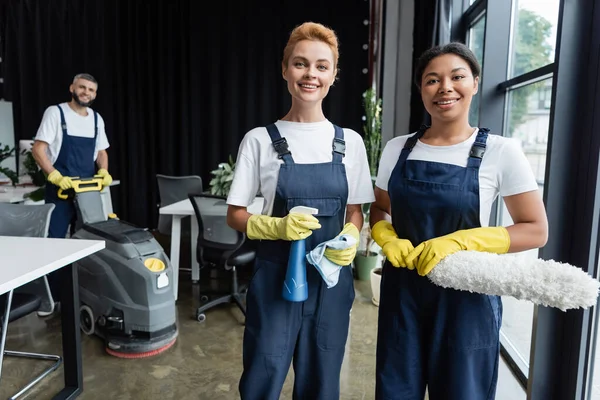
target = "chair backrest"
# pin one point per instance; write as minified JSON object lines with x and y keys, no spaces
{"x":25,"y":220}
{"x":172,"y":189}
{"x":213,"y":231}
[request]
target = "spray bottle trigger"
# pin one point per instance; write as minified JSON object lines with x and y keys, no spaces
{"x":304,"y":210}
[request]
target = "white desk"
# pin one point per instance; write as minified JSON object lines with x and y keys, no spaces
{"x":10,"y":194}
{"x":24,"y":259}
{"x":184,"y":209}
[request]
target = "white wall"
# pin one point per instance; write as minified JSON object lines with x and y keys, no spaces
{"x":397,"y":68}
{"x":7,"y":133}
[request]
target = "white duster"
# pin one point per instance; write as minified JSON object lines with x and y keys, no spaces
{"x":548,"y":283}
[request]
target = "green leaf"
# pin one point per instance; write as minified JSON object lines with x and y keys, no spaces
{"x":223,"y":176}
{"x":372,"y":129}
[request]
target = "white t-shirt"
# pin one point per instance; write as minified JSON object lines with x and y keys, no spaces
{"x":504,"y":168}
{"x":50,"y":130}
{"x":257,"y":166}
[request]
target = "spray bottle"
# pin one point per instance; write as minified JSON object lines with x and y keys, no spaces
{"x":295,"y":287}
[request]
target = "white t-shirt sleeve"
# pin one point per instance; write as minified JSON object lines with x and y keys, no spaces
{"x":515,"y":175}
{"x":101,"y":140}
{"x":388,"y":161}
{"x":48,"y":127}
{"x":246,"y":180}
{"x":360,"y":187}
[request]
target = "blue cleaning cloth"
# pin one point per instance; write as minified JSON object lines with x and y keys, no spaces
{"x":328,"y":269}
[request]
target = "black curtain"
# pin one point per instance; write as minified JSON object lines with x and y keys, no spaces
{"x":180,"y":81}
{"x":431,"y":28}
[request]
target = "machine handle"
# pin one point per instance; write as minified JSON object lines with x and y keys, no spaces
{"x":82,"y":185}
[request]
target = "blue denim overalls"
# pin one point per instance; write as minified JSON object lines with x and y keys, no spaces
{"x":445,"y":339}
{"x":75,"y":158}
{"x":312,"y":332}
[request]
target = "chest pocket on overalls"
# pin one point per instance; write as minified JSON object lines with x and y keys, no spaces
{"x":327,"y":206}
{"x":328,"y":216}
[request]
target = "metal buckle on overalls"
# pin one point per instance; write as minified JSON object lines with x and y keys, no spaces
{"x":339,"y":146}
{"x":477,"y":151}
{"x":281,"y":147}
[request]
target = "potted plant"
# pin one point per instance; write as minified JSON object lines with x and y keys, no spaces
{"x":223,"y":176}
{"x":6,"y":153}
{"x":38,"y":178}
{"x":367,"y":257}
{"x":376,"y":284}
{"x":372,"y":129}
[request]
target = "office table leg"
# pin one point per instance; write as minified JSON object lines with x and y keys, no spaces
{"x":175,"y":243}
{"x":5,"y":327}
{"x":71,"y":336}
{"x":194,"y":242}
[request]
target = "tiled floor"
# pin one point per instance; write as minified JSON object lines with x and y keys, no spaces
{"x":205,"y":363}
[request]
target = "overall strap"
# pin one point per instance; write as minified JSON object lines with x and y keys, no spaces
{"x":339,"y":145}
{"x":280,"y":144}
{"x":411,"y":142}
{"x":478,"y":148}
{"x":63,"y":122}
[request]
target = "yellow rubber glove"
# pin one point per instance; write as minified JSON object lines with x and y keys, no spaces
{"x":394,"y":248}
{"x":429,"y":253}
{"x":294,"y":226}
{"x":63,"y":182}
{"x":106,"y":178}
{"x":344,"y":256}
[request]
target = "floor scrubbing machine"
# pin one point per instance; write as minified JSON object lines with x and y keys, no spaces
{"x":125,"y":290}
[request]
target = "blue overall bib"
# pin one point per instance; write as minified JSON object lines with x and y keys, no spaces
{"x":445,"y":339}
{"x":312,"y":332}
{"x":75,"y":158}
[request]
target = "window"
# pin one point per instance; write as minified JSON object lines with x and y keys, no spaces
{"x":594,"y":370}
{"x":527,"y":124}
{"x":516,"y":42}
{"x":520,"y":42}
{"x":534,"y":35}
{"x":528,"y":120}
{"x":475,"y":42}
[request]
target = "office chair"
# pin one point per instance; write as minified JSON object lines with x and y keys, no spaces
{"x":29,"y":221}
{"x":172,"y":189}
{"x":220,"y":246}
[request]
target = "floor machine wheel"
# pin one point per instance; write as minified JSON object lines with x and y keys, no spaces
{"x":200,"y":317}
{"x":87,"y":321}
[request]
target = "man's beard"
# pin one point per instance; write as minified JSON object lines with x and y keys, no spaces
{"x":81,"y":103}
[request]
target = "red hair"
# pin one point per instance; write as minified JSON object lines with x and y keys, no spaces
{"x":311,"y":31}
